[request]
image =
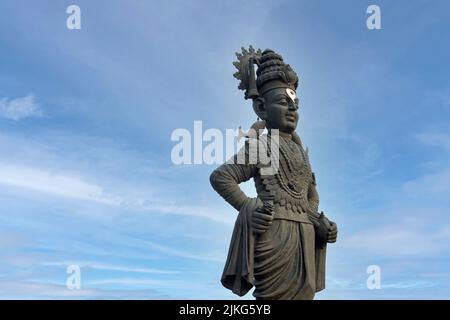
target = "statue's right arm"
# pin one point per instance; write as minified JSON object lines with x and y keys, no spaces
{"x":226,"y":179}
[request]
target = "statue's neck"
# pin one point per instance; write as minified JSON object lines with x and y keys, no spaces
{"x":285,"y":135}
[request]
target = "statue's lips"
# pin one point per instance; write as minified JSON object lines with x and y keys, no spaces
{"x":290,"y":117}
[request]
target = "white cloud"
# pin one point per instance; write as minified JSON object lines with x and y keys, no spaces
{"x":144,"y":244}
{"x":403,"y":238}
{"x":70,"y":186}
{"x":190,"y":210}
{"x":141,"y":282}
{"x":110,"y":267}
{"x":40,"y":290}
{"x":435,"y":139}
{"x":54,"y":183}
{"x":431,"y":184}
{"x":413,"y":284}
{"x":19,"y":108}
{"x":345,"y":284}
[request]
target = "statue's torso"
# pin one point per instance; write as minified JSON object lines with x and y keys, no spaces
{"x":288,"y":187}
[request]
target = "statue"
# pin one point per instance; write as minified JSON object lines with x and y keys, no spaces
{"x":279,"y":239}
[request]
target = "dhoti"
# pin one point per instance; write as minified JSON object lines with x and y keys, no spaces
{"x":284,"y":262}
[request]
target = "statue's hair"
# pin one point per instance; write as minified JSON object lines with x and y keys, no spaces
{"x":272,"y":67}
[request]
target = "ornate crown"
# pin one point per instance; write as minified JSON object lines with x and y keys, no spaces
{"x":272,"y":72}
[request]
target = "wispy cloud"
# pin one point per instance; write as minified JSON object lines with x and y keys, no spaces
{"x":109,"y":267}
{"x":181,"y":253}
{"x":400,"y":239}
{"x":41,"y":290}
{"x":352,"y":285}
{"x":19,"y":108}
{"x":191,"y":210}
{"x":413,"y":284}
{"x":58,"y":183}
{"x":53,"y":183}
{"x":437,"y":183}
{"x":441,"y":140}
{"x":147,"y":245}
{"x":140,"y":282}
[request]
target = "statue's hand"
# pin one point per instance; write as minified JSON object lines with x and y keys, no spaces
{"x":332,"y":232}
{"x":261,"y":220}
{"x":326,"y":231}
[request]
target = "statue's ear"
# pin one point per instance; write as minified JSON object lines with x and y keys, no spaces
{"x":260,"y":108}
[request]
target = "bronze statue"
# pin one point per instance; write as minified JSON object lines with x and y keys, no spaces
{"x":279,"y":239}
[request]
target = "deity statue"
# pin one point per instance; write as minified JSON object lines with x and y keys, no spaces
{"x":279,"y":239}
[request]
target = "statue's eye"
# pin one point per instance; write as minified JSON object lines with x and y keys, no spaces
{"x":283,"y":102}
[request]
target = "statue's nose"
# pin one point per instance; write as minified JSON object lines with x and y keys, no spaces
{"x":293,"y":106}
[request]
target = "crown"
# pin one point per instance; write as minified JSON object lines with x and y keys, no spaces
{"x":272,"y":72}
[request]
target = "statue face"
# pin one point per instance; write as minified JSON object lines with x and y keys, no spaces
{"x":281,"y":107}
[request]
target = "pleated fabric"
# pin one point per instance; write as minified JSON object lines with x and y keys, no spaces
{"x":284,"y":262}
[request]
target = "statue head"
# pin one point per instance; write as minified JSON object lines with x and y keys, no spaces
{"x":273,"y":91}
{"x":278,"y":108}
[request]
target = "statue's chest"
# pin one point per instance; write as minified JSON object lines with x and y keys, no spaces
{"x":294,"y":172}
{"x":289,"y":185}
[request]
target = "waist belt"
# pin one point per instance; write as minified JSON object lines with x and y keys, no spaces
{"x":284,"y":214}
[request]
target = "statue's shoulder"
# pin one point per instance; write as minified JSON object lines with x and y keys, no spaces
{"x":254,"y":151}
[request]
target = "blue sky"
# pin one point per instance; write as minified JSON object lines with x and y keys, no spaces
{"x":85,"y":123}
